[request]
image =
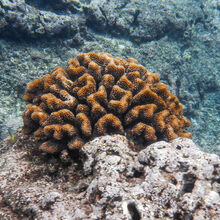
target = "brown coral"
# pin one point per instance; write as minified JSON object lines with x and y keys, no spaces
{"x":97,"y":95}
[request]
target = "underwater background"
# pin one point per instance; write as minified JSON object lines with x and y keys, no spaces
{"x":179,"y":40}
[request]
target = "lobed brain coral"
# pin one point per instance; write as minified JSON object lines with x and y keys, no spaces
{"x":98,"y":95}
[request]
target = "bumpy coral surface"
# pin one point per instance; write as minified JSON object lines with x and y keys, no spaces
{"x":98,"y":95}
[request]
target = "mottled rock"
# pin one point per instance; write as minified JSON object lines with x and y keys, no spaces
{"x":143,"y":20}
{"x":139,"y":21}
{"x":108,"y":180}
{"x":33,"y":19}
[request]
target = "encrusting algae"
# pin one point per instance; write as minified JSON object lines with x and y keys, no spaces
{"x":98,"y":95}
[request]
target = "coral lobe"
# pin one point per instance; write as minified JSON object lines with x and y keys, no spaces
{"x":97,"y":95}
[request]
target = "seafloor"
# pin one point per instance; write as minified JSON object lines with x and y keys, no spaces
{"x":177,"y":39}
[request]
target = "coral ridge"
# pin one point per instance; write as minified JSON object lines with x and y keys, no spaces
{"x":98,"y":95}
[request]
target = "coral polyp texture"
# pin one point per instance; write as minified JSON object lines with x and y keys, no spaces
{"x":98,"y":95}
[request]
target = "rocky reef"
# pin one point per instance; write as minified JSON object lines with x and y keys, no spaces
{"x":29,"y":19}
{"x":108,"y":180}
{"x":177,"y":39}
{"x":108,"y":177}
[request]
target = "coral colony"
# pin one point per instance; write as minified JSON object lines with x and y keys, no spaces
{"x":98,"y":95}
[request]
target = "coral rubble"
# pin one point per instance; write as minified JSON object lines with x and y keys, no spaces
{"x":98,"y":95}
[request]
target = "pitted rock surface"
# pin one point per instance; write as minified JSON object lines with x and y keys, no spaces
{"x":110,"y":181}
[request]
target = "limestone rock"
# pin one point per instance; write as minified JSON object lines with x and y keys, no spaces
{"x":107,"y":180}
